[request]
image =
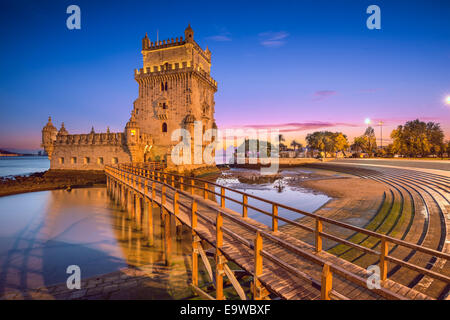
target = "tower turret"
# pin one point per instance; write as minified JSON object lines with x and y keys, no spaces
{"x":133,"y":141}
{"x":49,"y":133}
{"x":62,"y":131}
{"x":189,"y":34}
{"x":145,"y":42}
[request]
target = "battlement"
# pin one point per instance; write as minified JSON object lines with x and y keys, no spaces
{"x":174,"y":68}
{"x":164,"y":44}
{"x":90,"y":139}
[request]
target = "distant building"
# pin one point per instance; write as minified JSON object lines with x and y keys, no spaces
{"x":175,"y":90}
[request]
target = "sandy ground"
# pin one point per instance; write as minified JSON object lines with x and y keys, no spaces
{"x":354,"y":201}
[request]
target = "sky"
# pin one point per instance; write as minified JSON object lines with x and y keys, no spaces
{"x":299,"y":66}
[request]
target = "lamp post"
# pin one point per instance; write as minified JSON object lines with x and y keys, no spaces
{"x":381,"y":133}
{"x":367,"y":121}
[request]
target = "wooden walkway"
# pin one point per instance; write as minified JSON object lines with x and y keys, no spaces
{"x":280,"y":264}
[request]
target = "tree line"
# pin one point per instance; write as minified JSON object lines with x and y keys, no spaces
{"x":413,"y":139}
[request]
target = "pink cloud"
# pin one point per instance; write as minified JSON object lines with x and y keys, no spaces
{"x":323,"y":94}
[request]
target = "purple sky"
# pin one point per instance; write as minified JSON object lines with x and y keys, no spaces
{"x":298,"y":66}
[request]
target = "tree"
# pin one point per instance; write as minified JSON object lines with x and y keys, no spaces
{"x":367,"y":142}
{"x":296,"y":145}
{"x":417,"y":138}
{"x":327,"y":142}
{"x":282,"y":146}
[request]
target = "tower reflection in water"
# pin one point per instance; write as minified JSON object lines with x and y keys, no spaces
{"x":44,"y":232}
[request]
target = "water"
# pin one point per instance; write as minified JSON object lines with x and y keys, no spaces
{"x":12,"y":166}
{"x":282,"y":190}
{"x":42,"y":233}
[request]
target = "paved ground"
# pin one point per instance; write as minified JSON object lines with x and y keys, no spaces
{"x":425,"y":164}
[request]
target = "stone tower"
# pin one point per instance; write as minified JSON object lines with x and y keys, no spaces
{"x":175,"y":89}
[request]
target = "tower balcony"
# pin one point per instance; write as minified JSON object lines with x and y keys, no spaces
{"x":175,"y":68}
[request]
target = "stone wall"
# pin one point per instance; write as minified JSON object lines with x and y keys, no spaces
{"x":88,"y":157}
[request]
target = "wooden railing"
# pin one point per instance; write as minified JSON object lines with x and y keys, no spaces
{"x":139,"y":176}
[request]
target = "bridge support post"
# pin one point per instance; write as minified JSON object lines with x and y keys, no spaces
{"x":123,"y":200}
{"x":130,"y":204}
{"x":167,"y":237}
{"x":116,"y":192}
{"x":384,"y":251}
{"x":219,"y":258}
{"x":205,"y":191}
{"x":257,"y":290}
{"x":318,"y":237}
{"x":195,"y":241}
{"x":326,"y":283}
{"x":244,"y":206}
{"x":274,"y":218}
{"x":149,"y":220}
{"x":176,"y":210}
{"x":222,"y":197}
{"x":138,"y":212}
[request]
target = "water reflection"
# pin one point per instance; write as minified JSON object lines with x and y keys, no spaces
{"x":42,"y":233}
{"x":279,"y":189}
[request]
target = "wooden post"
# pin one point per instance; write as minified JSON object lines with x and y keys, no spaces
{"x":131,"y":204}
{"x":138,"y":212}
{"x":258,"y":266}
{"x":181,"y":184}
{"x":153,"y":192}
{"x":192,"y":186}
{"x":173,"y":181}
{"x":244,"y":206}
{"x":145,"y":187}
{"x":222,"y":197}
{"x":384,"y":251}
{"x":149,"y":222}
{"x":195,"y":240}
{"x":274,"y":218}
{"x":205,"y":191}
{"x":219,"y":257}
{"x":163,"y":195}
{"x":176,"y":206}
{"x":134,"y":199}
{"x":317,"y":235}
{"x":327,"y":278}
{"x":167,"y":237}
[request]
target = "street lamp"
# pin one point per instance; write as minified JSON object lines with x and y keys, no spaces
{"x":380,"y":123}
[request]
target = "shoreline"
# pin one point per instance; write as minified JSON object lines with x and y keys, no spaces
{"x":51,"y":180}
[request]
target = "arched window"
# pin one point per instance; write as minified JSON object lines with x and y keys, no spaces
{"x":164,"y":127}
{"x":100,"y":160}
{"x":87,"y":160}
{"x":115,"y":160}
{"x":162,"y":86}
{"x":164,"y":105}
{"x":61,"y":160}
{"x":165,"y":87}
{"x":73,"y":160}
